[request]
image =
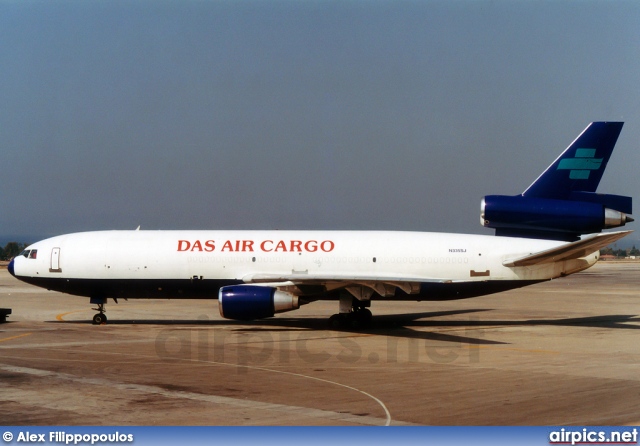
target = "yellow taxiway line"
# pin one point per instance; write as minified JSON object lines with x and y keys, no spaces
{"x":15,"y":337}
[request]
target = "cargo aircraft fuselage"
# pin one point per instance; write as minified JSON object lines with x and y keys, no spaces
{"x":551,"y":230}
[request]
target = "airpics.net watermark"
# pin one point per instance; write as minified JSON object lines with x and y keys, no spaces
{"x":593,"y":436}
{"x":259,"y":347}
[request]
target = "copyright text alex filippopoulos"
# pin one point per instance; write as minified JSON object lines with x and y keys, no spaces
{"x":61,"y":437}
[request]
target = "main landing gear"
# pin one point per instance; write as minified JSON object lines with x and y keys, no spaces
{"x":100,"y":318}
{"x":360,"y":318}
{"x":353,"y":314}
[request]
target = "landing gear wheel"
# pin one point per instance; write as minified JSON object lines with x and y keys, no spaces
{"x":365,"y":315}
{"x":353,"y":314}
{"x":337,"y":321}
{"x":99,"y":319}
{"x":361,"y":318}
{"x":357,"y":319}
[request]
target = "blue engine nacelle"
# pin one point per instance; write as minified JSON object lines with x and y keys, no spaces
{"x":521,"y":216}
{"x":247,"y":302}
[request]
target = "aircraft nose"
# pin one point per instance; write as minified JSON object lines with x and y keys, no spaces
{"x":10,"y":268}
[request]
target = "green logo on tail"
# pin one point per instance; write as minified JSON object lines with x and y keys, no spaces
{"x":582,"y":165}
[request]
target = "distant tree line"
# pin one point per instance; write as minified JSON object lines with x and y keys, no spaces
{"x":11,"y":250}
{"x":621,"y":253}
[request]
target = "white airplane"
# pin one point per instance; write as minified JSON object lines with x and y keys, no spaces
{"x":550,"y":230}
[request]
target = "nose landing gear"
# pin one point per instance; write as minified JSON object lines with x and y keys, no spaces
{"x":100,"y":318}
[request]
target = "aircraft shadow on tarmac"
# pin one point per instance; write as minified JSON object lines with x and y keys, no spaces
{"x":408,"y":325}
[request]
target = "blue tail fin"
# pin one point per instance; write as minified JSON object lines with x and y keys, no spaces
{"x":581,"y":165}
{"x":562,"y":203}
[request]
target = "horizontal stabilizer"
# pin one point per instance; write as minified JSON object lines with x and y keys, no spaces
{"x":570,"y":251}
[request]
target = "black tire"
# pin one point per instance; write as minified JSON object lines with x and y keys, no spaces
{"x":360,"y":319}
{"x":99,"y":319}
{"x":365,"y":315}
{"x":336,"y":321}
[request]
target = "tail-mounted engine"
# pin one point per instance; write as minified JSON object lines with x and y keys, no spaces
{"x":586,"y":213}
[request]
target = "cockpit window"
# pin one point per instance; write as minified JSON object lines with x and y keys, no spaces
{"x":29,"y":253}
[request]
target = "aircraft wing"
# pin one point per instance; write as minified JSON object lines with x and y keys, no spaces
{"x":570,"y":251}
{"x":321,"y":278}
{"x":298,"y":283}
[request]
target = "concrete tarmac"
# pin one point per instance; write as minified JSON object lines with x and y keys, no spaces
{"x":566,"y":352}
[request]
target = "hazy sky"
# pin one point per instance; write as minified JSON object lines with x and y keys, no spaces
{"x":395,"y":115}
